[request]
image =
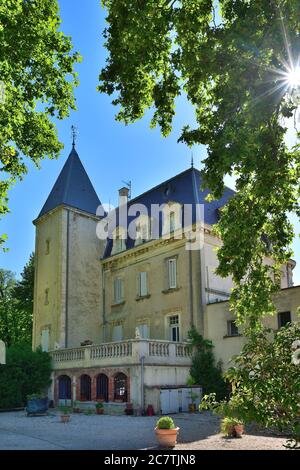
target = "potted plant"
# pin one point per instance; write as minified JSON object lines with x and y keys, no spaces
{"x":166,"y":432}
{"x":65,"y":414}
{"x":129,"y":409}
{"x":37,"y":403}
{"x":192,"y":406}
{"x":76,"y":408}
{"x":99,"y":408}
{"x":232,"y":427}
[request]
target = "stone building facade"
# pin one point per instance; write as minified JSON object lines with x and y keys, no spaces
{"x":115,"y":312}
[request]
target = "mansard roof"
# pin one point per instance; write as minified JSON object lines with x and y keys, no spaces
{"x":72,"y":188}
{"x":184,"y":188}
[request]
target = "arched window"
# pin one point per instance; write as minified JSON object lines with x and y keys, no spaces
{"x":120,"y":387}
{"x":85,"y":388}
{"x":64,"y":387}
{"x":102,"y":387}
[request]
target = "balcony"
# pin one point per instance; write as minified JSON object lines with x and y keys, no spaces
{"x":123,"y":353}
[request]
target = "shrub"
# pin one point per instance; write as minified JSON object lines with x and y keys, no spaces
{"x":227,"y":425}
{"x":165,"y":423}
{"x":99,"y":405}
{"x":204,"y":370}
{"x":25,"y":373}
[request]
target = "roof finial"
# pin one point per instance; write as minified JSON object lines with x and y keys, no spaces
{"x":192,"y":160}
{"x":74,"y":135}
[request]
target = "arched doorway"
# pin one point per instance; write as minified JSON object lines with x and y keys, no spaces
{"x":102,"y":387}
{"x":85,"y":387}
{"x":120,"y":387}
{"x":64,"y":387}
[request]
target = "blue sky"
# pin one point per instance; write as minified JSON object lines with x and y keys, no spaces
{"x":110,"y":151}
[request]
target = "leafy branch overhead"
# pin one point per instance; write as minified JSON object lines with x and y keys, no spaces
{"x":231,"y":58}
{"x":37,"y":81}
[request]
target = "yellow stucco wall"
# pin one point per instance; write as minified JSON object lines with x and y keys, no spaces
{"x":217,"y":316}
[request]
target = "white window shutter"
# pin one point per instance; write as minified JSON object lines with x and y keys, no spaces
{"x":172,"y":273}
{"x":144,"y":331}
{"x":45,"y":340}
{"x":143,"y":284}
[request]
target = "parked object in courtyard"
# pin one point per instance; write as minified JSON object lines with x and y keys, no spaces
{"x":99,"y":408}
{"x":232,"y":427}
{"x":193,"y":397}
{"x":65,"y":414}
{"x":37,"y":404}
{"x":166,"y":432}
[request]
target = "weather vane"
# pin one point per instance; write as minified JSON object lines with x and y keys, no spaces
{"x":74,"y":135}
{"x":192,"y":160}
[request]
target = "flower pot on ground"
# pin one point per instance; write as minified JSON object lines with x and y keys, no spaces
{"x":76,"y":408}
{"x":65,"y":414}
{"x":193,"y":397}
{"x":99,"y":408}
{"x":129,"y":409}
{"x":166,"y":432}
{"x":232,"y":427}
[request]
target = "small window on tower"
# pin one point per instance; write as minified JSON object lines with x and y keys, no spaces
{"x":47,"y":247}
{"x":46,"y":296}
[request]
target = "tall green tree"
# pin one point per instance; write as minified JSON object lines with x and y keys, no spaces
{"x":16,"y":305}
{"x":37,"y":79}
{"x":237,"y":62}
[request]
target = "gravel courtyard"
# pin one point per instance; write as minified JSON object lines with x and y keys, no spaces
{"x":198,"y":431}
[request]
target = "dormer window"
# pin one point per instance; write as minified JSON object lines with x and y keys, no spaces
{"x":172,"y":218}
{"x":172,"y":221}
{"x":119,"y":241}
{"x":143,"y":230}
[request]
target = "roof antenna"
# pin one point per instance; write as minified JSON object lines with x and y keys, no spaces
{"x":74,"y":135}
{"x":192,"y":160}
{"x":129,"y":186}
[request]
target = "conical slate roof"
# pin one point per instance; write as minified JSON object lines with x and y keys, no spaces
{"x":72,"y":188}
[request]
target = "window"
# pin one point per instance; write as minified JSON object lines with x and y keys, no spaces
{"x":45,"y":340}
{"x":174,"y":327}
{"x":143,"y":230}
{"x":172,"y":273}
{"x":172,"y":222}
{"x":144,"y":330}
{"x":143,"y":289}
{"x":118,"y":290}
{"x":102,"y":387}
{"x":232,"y":329}
{"x":85,"y":387}
{"x":120,"y":387}
{"x":119,"y":241}
{"x":117,"y":334}
{"x":283,"y":319}
{"x":46,"y":296}
{"x":64,"y":388}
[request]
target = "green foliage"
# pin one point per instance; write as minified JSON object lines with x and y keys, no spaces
{"x":25,"y":373}
{"x":16,"y":305}
{"x":227,"y":425}
{"x":266,"y":380}
{"x":165,"y":423}
{"x":227,"y":57}
{"x":65,"y":410}
{"x":204,"y":370}
{"x":37,"y":82}
{"x":99,"y":405}
{"x":35,"y":396}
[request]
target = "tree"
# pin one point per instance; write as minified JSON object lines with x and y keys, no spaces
{"x":26,"y":372}
{"x":16,"y":305}
{"x":265,"y":381}
{"x":36,"y":84}
{"x":204,"y":370}
{"x":236,"y":62}
{"x":23,"y":294}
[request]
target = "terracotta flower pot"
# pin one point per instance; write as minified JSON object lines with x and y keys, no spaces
{"x":65,"y":418}
{"x":238,"y":430}
{"x":99,"y":411}
{"x":167,"y":437}
{"x":76,"y":410}
{"x":192,"y":408}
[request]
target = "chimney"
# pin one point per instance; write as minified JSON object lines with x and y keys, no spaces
{"x":123,"y":196}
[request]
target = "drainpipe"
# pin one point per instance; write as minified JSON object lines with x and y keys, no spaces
{"x":142,"y":383}
{"x":67,"y":279}
{"x":191,"y":289}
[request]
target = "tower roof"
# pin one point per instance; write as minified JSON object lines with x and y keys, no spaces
{"x":72,"y":188}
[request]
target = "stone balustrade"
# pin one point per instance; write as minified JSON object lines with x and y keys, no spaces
{"x":123,"y":353}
